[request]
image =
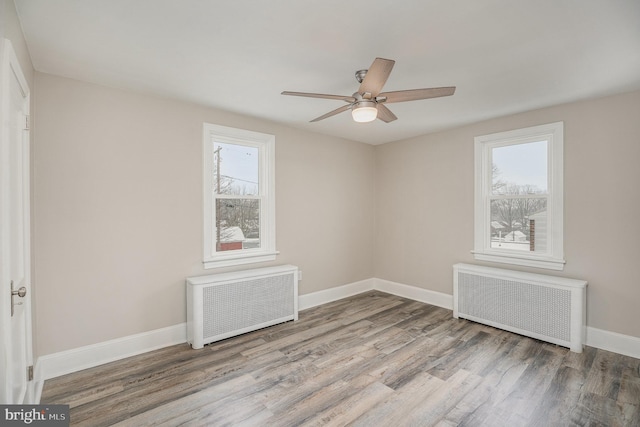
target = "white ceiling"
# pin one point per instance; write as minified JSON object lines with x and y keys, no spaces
{"x":504,"y":56}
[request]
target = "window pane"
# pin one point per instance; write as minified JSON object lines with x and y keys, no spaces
{"x":519,"y":224}
{"x":237,"y":224}
{"x":235,"y":169}
{"x":520,"y":169}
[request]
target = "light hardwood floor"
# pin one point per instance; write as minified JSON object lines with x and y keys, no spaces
{"x":370,"y":360}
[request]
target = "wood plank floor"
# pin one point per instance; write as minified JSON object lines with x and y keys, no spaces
{"x":370,"y":360}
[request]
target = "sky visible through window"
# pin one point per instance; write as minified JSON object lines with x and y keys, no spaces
{"x":522,"y":164}
{"x":239,"y":163}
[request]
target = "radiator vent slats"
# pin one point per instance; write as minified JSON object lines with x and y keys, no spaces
{"x":544,"y":307}
{"x":223,"y":305}
{"x":540,"y":309}
{"x":245,"y":303}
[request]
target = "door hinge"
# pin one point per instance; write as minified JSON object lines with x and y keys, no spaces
{"x":27,"y":121}
{"x":30,"y":373}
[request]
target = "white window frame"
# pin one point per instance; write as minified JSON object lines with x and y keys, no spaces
{"x":266,"y":147}
{"x":553,"y":258}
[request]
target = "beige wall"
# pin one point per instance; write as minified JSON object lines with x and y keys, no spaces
{"x":425,"y":205}
{"x":118,"y":209}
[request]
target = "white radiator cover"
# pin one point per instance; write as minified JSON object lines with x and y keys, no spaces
{"x":544,"y":307}
{"x":223,"y":305}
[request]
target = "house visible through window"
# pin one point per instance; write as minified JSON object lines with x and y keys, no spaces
{"x":518,"y":191}
{"x":518,"y":208}
{"x":237,"y":199}
{"x":239,"y":196}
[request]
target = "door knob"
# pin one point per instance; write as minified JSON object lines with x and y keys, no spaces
{"x":20,"y":292}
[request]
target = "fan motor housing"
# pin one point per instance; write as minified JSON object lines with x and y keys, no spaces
{"x":360,"y":75}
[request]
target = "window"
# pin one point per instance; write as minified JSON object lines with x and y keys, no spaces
{"x":518,"y":197}
{"x":239,"y":202}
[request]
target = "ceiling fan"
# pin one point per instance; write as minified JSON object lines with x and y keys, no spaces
{"x":367,"y":103}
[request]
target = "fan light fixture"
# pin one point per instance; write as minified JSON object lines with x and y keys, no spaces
{"x":364,"y":111}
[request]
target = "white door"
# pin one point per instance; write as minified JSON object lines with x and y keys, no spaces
{"x":15,"y":290}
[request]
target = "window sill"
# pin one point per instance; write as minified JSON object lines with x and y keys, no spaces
{"x":239,"y":259}
{"x":546,"y":263}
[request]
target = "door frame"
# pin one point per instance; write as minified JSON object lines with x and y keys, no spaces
{"x":10,"y":68}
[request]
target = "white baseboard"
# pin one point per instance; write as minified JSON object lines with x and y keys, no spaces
{"x":65,"y":362}
{"x":613,"y":341}
{"x":417,"y":294}
{"x":333,"y":294}
{"x":77,"y":359}
{"x":406,"y":291}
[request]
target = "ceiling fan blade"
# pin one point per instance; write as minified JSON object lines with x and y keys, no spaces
{"x":332,"y":113}
{"x":385,"y":114}
{"x":348,"y":99}
{"x":415,"y":94}
{"x":376,"y":76}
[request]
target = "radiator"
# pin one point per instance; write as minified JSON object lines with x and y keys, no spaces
{"x":544,"y":307}
{"x":223,"y":305}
